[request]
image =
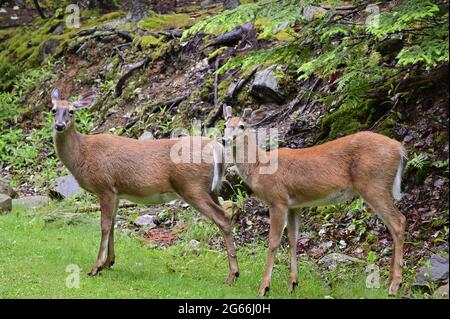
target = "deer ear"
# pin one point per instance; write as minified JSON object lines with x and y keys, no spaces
{"x":247,"y":112}
{"x":227,"y":112}
{"x":56,"y":95}
{"x":84,"y":100}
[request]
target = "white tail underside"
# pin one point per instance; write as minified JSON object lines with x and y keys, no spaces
{"x":396,"y":186}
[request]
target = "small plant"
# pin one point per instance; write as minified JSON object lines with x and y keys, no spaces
{"x":419,"y":161}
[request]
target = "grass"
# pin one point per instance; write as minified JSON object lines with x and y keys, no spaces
{"x":34,"y":255}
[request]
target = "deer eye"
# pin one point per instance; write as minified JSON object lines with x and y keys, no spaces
{"x":71,"y":112}
{"x":53,"y":111}
{"x":241,"y":127}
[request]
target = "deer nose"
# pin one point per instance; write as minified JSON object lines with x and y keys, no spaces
{"x":226,"y":141}
{"x":60,"y":127}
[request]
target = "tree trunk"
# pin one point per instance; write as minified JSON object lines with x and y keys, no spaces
{"x":231,"y":4}
{"x":138,"y":10}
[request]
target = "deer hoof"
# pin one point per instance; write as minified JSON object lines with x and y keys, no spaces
{"x":395,"y":285}
{"x":263,"y":291}
{"x":108,"y":264}
{"x":232,"y":278}
{"x":94,"y":271}
{"x":292,"y":286}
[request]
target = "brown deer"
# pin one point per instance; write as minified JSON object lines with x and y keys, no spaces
{"x":114,"y":167}
{"x":366,"y":164}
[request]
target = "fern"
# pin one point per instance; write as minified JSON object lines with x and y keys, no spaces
{"x":273,"y":15}
{"x":419,"y":161}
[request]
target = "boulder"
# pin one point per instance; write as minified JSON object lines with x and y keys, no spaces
{"x":206,"y":4}
{"x":65,"y":186}
{"x":441,"y":292}
{"x":435,"y":273}
{"x":5,"y":188}
{"x":194,"y":246}
{"x":146,"y":136}
{"x":145,"y":220}
{"x":32,"y":201}
{"x":312,"y":12}
{"x":48,"y":48}
{"x":331,"y":261}
{"x":265,"y":86}
{"x":59,"y":29}
{"x":5,"y":203}
{"x":231,"y":4}
{"x":69,"y":218}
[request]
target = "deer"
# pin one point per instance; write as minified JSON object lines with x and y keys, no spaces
{"x":143,"y":171}
{"x":364,"y":164}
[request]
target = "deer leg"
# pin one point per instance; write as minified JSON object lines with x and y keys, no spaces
{"x":277,"y":220}
{"x":110,"y":260}
{"x":395,"y":222}
{"x":207,"y":205}
{"x":107,"y":206}
{"x":292,"y":231}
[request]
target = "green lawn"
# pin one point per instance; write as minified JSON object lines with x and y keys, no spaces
{"x":34,"y":256}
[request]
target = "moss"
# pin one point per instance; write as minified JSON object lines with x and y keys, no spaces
{"x":205,"y":91}
{"x":166,"y":21}
{"x":165,"y":48}
{"x":261,"y":25}
{"x":441,"y":138}
{"x":222,"y":88}
{"x":284,"y":36}
{"x":22,"y":45}
{"x":149,"y":41}
{"x":347,"y":120}
{"x":216,"y":53}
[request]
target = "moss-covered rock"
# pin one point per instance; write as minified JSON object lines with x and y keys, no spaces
{"x":150,"y":41}
{"x":350,"y":119}
{"x":166,"y":21}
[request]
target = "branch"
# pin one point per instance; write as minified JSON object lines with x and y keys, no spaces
{"x":124,"y":78}
{"x":39,"y":9}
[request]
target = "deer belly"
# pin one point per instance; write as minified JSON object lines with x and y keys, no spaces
{"x":330,"y":199}
{"x":153,"y":199}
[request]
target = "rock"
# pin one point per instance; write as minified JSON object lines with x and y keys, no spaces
{"x":68,"y":218}
{"x":205,"y":4}
{"x":145,"y":220}
{"x":229,"y":207}
{"x":5,"y":203}
{"x":312,"y":12}
{"x":65,"y":186}
{"x":5,"y":188}
{"x":231,"y":4}
{"x":59,"y":29}
{"x":32,"y":201}
{"x":332,"y":260}
{"x":194,"y":246}
{"x":435,"y":273}
{"x":265,"y":86}
{"x":48,"y":48}
{"x":146,"y":136}
{"x":441,"y":292}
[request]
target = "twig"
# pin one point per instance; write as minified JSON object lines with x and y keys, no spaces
{"x":169,"y":104}
{"x":134,"y":67}
{"x":216,"y":82}
{"x":240,"y":84}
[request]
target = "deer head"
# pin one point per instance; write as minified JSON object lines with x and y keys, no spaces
{"x":63,"y":110}
{"x":234,"y":126}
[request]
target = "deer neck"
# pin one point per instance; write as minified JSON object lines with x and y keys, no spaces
{"x":247,"y":157}
{"x":68,"y":145}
